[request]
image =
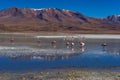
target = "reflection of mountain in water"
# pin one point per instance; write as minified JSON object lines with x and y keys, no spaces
{"x":46,"y":57}
{"x":32,"y":53}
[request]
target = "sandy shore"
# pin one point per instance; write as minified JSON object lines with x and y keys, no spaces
{"x":62,"y":74}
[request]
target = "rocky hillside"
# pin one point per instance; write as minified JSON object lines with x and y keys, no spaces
{"x":53,"y":19}
{"x":114,"y":18}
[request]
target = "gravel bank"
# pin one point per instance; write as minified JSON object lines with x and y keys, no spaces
{"x":62,"y":74}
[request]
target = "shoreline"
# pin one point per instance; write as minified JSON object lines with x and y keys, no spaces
{"x":61,"y":74}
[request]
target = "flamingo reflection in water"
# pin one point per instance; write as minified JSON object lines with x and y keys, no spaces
{"x":82,"y":49}
{"x":54,"y":43}
{"x":104,"y":46}
{"x":39,"y":42}
{"x":68,"y":44}
{"x":12,"y":40}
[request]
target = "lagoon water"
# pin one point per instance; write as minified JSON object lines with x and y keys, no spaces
{"x":25,"y":53}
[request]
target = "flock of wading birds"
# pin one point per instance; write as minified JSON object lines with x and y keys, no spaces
{"x":68,"y":43}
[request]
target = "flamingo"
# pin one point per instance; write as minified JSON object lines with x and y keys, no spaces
{"x":53,"y":42}
{"x":72,"y":44}
{"x":104,"y":44}
{"x":82,"y":44}
{"x":67,"y":43}
{"x":11,"y":40}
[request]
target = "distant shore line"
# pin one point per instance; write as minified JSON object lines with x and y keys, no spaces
{"x":64,"y":35}
{"x":90,"y":36}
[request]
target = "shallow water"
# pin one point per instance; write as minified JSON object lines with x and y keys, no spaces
{"x":25,"y":53}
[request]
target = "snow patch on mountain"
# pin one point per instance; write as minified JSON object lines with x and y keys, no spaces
{"x":37,"y":9}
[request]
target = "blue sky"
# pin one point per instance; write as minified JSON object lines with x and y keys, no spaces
{"x":93,"y":8}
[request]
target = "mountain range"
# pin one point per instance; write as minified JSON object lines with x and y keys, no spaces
{"x":53,"y":19}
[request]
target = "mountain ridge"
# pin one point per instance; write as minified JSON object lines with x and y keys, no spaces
{"x":54,"y":19}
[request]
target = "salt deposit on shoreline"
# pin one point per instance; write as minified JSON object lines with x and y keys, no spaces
{"x":64,"y":35}
{"x":91,"y":36}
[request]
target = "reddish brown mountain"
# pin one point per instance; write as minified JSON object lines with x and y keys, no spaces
{"x":53,"y":19}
